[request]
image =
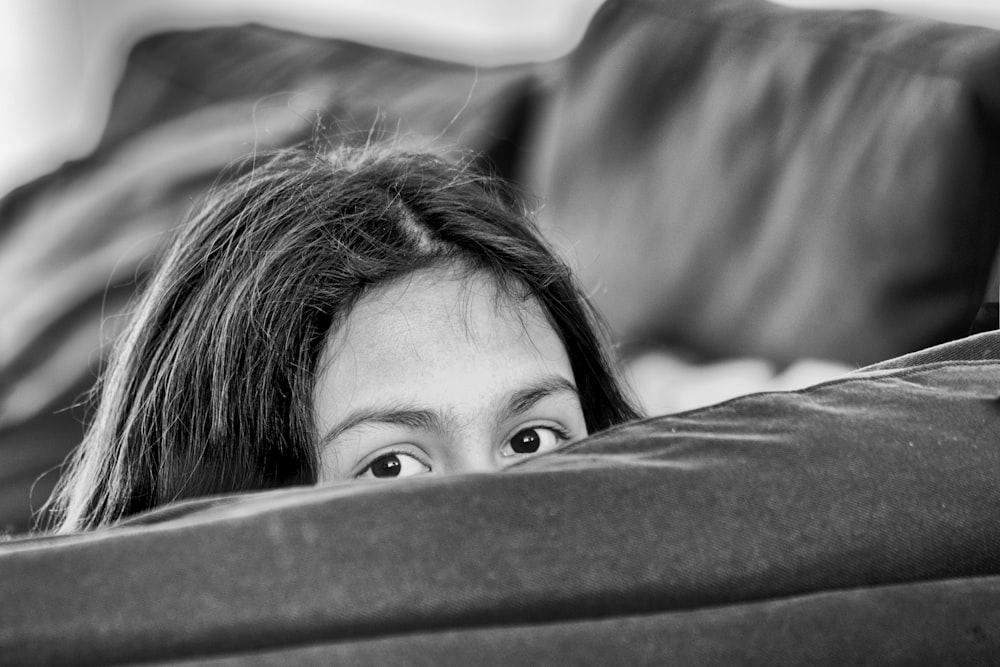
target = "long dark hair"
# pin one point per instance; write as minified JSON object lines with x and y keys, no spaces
{"x":210,"y":388}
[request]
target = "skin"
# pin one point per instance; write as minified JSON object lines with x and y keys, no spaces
{"x":436,"y":374}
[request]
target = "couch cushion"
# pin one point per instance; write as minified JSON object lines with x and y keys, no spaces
{"x":851,"y":522}
{"x":741,"y":178}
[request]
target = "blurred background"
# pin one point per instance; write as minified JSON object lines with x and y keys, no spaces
{"x":60,"y":59}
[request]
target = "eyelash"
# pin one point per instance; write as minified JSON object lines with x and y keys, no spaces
{"x":558,"y":430}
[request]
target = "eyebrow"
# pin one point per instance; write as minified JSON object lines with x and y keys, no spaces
{"x":420,"y":418}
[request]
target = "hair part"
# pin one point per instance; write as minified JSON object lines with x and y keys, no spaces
{"x":210,"y":388}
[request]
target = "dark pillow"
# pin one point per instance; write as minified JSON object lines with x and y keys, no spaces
{"x":853,"y":522}
{"x":742,"y":178}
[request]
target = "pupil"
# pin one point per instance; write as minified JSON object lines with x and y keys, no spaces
{"x":526,"y":441}
{"x":387,"y":466}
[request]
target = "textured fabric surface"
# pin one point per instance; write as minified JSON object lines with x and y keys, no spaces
{"x":851,"y":522}
{"x":746,"y":179}
{"x":868,"y":626}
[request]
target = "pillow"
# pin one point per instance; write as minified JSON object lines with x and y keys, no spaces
{"x":852,"y":522}
{"x":743,"y":179}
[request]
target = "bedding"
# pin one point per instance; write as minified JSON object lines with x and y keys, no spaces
{"x":849,"y":523}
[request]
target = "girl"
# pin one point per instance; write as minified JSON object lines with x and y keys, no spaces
{"x":367,"y":314}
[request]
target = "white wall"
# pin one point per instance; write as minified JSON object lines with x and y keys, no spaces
{"x":59,"y":59}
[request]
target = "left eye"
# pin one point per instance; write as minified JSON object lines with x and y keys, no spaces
{"x":533,"y":440}
{"x":393,"y":465}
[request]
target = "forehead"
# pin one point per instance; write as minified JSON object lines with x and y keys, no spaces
{"x":469,"y":302}
{"x":441,"y":335}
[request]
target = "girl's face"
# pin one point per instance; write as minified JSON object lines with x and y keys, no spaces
{"x":438,"y":374}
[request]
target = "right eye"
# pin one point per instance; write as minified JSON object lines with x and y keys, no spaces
{"x":393,"y":465}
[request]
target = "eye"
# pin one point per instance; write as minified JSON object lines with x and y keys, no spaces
{"x":393,"y":465}
{"x":534,"y":440}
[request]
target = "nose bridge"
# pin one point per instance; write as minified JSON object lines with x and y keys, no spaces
{"x":473,"y":452}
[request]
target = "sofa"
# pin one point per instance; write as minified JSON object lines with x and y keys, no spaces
{"x":731,"y":178}
{"x":853,"y":522}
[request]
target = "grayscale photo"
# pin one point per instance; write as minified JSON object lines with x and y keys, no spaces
{"x":500,"y":332}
